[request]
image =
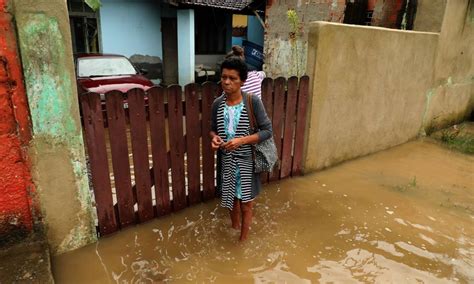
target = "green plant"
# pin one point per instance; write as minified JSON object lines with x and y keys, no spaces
{"x":93,"y":4}
{"x":406,"y":187}
{"x":293,"y":20}
{"x":295,"y":33}
{"x":457,"y":141}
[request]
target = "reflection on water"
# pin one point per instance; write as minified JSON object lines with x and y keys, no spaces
{"x":348,"y":224}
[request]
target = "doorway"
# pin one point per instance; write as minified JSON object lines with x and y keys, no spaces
{"x":169,"y":31}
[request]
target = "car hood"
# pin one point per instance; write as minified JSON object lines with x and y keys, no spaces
{"x":121,"y":83}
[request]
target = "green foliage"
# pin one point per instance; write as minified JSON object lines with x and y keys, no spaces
{"x":407,"y":187}
{"x":463,"y":143}
{"x":296,"y":49}
{"x":293,"y":20}
{"x":94,"y":4}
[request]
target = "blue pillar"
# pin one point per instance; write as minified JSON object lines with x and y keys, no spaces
{"x":186,"y":55}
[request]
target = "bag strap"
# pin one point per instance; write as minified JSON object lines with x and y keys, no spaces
{"x":250,"y":111}
{"x":252,"y":120}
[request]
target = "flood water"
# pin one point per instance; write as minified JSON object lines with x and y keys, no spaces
{"x":405,"y":215}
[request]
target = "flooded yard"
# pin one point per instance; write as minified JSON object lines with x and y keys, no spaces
{"x":404,"y":215}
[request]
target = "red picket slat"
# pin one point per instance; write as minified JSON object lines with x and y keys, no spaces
{"x":267,"y":99}
{"x":209,"y":91}
{"x":277,"y":120}
{"x":193,"y":135}
{"x":177,"y":145}
{"x":136,"y":104}
{"x":95,"y":141}
{"x":290,"y":113}
{"x":301,"y":117}
{"x":120,"y":162}
{"x":156,"y":106}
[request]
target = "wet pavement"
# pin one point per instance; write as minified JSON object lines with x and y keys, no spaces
{"x":405,"y":215}
{"x":26,"y":262}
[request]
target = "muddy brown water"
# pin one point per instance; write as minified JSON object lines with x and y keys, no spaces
{"x":403,"y":215}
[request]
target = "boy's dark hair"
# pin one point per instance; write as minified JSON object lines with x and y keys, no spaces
{"x":236,"y":63}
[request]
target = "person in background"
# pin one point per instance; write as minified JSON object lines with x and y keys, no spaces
{"x":232,"y":138}
{"x":253,"y":84}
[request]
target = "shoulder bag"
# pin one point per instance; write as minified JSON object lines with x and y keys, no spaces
{"x":265,"y":153}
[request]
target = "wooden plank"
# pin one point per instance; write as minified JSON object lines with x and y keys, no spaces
{"x":301,"y":117}
{"x":156,"y":104}
{"x":278,"y":118}
{"x":136,"y":104}
{"x":209,"y":91}
{"x":120,"y":162}
{"x":267,"y":99}
{"x":177,"y":145}
{"x":193,"y":135}
{"x":96,"y":149}
{"x":290,"y":119}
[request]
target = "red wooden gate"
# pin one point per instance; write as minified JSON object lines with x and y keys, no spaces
{"x":152,"y":155}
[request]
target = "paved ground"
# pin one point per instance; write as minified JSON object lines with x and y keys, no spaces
{"x":28,"y":262}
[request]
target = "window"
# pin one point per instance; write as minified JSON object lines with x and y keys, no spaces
{"x":84,"y":27}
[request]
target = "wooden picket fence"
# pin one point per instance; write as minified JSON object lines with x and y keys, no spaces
{"x":150,"y":154}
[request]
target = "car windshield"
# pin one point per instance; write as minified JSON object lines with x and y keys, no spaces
{"x":104,"y":66}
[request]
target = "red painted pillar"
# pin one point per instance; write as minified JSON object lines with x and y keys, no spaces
{"x":16,"y":187}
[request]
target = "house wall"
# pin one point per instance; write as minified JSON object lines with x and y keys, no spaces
{"x":56,"y":150}
{"x":17,"y":203}
{"x":375,"y":88}
{"x":133,"y":29}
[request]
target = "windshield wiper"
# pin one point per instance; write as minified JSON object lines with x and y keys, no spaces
{"x":96,"y":76}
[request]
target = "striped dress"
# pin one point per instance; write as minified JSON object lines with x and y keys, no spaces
{"x":253,"y":84}
{"x":237,"y":165}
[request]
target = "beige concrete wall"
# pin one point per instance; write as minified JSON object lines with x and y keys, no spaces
{"x":375,"y":88}
{"x":451,"y":98}
{"x":368,"y":90}
{"x":429,"y":15}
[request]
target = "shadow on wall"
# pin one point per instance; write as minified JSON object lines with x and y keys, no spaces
{"x":152,"y":64}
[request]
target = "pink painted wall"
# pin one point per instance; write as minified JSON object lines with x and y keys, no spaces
{"x":16,"y":187}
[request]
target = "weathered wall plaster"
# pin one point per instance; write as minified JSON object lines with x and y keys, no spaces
{"x":452,"y":94}
{"x":17,"y":206}
{"x":286,"y":48}
{"x":57,"y":151}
